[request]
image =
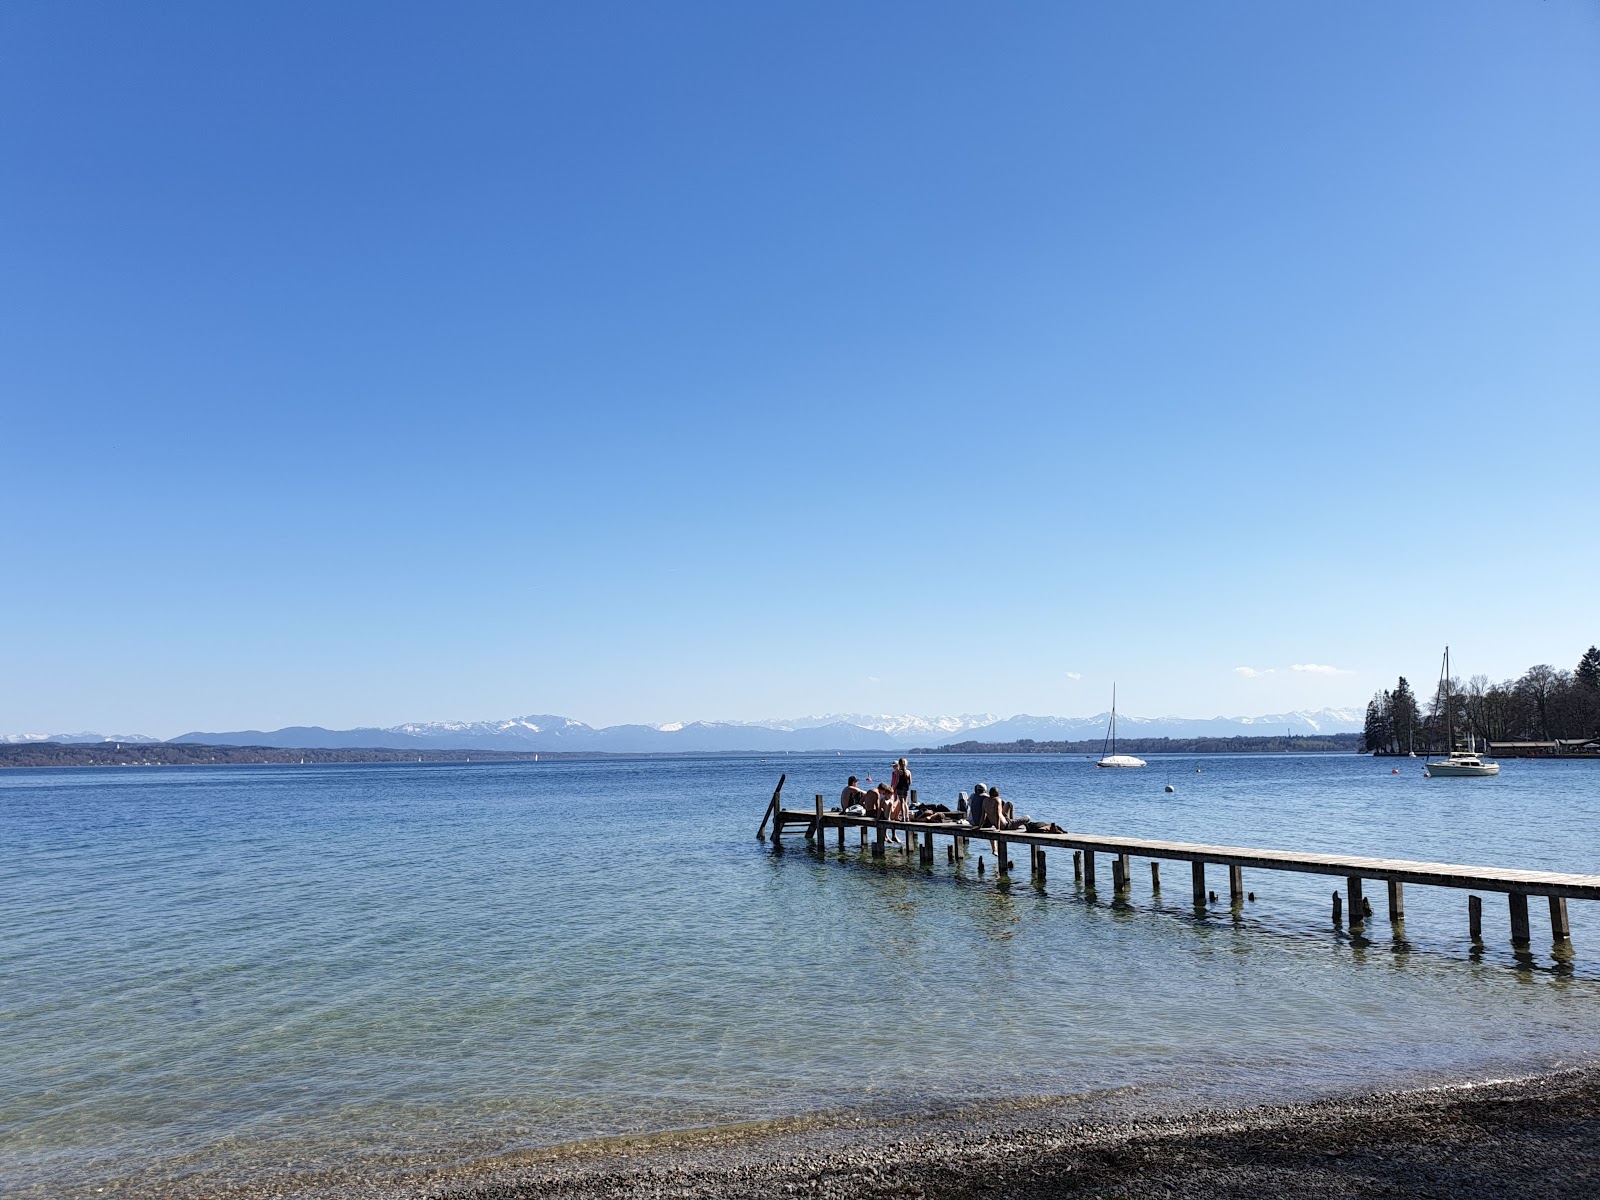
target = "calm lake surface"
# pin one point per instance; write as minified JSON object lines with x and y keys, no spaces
{"x":239,"y":968}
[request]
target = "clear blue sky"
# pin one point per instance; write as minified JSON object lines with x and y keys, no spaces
{"x":372,"y":362}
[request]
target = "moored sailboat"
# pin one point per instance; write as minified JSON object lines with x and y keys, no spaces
{"x":1114,"y":759}
{"x":1463,"y":764}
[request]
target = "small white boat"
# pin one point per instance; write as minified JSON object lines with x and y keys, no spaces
{"x":1114,"y":759}
{"x":1461,"y":764}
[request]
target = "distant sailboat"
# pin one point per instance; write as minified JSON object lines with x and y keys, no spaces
{"x":1114,"y":759}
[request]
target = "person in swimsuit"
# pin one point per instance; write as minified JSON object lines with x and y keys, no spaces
{"x":901,"y":783}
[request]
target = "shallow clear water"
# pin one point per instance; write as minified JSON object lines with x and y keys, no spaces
{"x":237,"y":968}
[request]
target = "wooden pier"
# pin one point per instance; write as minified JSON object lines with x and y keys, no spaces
{"x":920,"y":838}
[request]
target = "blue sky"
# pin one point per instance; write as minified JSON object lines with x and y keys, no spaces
{"x":367,"y":363}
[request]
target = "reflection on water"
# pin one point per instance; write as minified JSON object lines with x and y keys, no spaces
{"x":234,"y":967}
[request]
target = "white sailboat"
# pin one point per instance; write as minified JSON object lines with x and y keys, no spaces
{"x":1114,"y":759}
{"x":1463,"y":764}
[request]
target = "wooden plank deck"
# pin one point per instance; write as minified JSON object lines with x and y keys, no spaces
{"x":1555,"y":884}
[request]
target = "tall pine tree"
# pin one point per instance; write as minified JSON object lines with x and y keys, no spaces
{"x":1588,"y":672}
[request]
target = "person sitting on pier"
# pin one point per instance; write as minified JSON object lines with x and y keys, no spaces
{"x":997,"y":813}
{"x":882,"y":805}
{"x":973,"y":805}
{"x":892,"y":807}
{"x":852,"y":797}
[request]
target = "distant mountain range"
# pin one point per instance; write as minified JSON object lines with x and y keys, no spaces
{"x":848,"y":731}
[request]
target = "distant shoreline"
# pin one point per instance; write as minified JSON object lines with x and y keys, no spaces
{"x":1333,"y":743}
{"x":192,"y":754}
{"x":196,"y":754}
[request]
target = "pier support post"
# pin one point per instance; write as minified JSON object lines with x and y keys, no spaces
{"x":1155,"y":877}
{"x":877,"y":839}
{"x":1126,"y":864}
{"x":1338,"y":909}
{"x":863,"y":835}
{"x":1077,"y":866}
{"x":1475,"y":917}
{"x":1520,"y":931}
{"x":1236,"y":884}
{"x":1088,"y":870}
{"x":1198,"y":871}
{"x":1002,"y":862}
{"x":1397,"y":902}
{"x":817,"y":835}
{"x":1560,"y":928}
{"x":1117,"y":881}
{"x":1353,"y":886}
{"x":1042,"y":871}
{"x":841,"y":829}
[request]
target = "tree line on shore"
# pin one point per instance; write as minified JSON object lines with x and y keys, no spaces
{"x":1545,"y":704}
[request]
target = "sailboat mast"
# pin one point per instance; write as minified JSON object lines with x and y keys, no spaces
{"x":1113,"y":717}
{"x":1449,"y":708}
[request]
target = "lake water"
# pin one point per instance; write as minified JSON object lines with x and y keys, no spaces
{"x":239,"y":968}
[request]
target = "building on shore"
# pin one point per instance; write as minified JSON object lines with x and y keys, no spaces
{"x":1559,"y":748}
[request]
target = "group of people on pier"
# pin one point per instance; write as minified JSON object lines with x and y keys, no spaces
{"x":891,"y":801}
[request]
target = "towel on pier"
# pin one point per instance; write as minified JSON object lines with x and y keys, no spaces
{"x":855,"y":810}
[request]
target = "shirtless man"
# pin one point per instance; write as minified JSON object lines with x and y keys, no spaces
{"x":851,"y":795}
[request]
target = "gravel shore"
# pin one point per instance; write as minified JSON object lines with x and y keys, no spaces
{"x":1530,"y":1138}
{"x":1536,"y":1138}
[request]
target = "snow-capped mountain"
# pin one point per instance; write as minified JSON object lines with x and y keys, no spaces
{"x":897,"y":726}
{"x":833,"y":732}
{"x":14,"y":739}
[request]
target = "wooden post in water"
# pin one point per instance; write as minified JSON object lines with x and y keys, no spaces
{"x":1077,"y":866}
{"x":1521,"y":933}
{"x":819,"y":832}
{"x":1088,"y":871}
{"x":1040,"y":870}
{"x":1353,"y":885}
{"x":1397,"y":901}
{"x":761,"y":831}
{"x":1155,"y":877}
{"x":1560,"y":927}
{"x":1475,"y":917}
{"x":1126,"y":864}
{"x":877,"y":839}
{"x":1338,"y":909}
{"x":1001,"y":851}
{"x":1197,"y":871}
{"x":1235,"y":884}
{"x":863,"y":836}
